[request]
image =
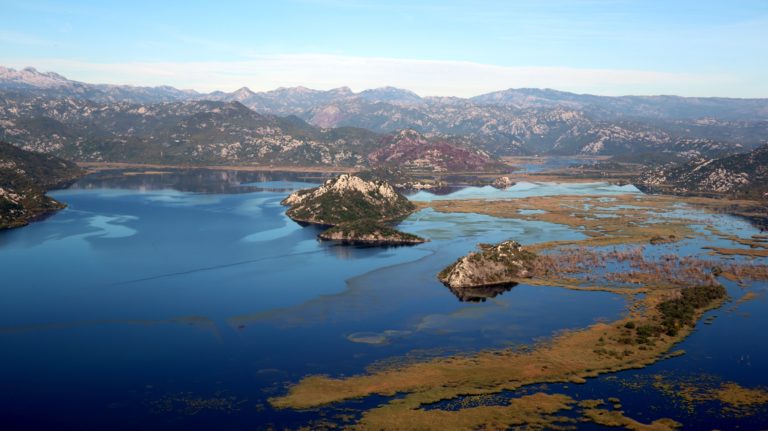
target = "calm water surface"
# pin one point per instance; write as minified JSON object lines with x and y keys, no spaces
{"x":185,"y":300}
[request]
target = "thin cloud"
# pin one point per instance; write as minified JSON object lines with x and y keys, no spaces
{"x":425,"y":77}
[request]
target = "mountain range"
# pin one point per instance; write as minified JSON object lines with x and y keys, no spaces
{"x":46,"y":112}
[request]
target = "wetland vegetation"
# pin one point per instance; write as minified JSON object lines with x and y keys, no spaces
{"x":667,"y":295}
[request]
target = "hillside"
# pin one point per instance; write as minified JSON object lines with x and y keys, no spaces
{"x":744,"y":175}
{"x":95,"y":122}
{"x":411,"y":150}
{"x":195,"y":132}
{"x":53,"y":85}
{"x":24,"y":179}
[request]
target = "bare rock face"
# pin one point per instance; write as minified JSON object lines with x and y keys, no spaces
{"x":499,"y":264}
{"x":348,"y":198}
{"x":503,"y":183}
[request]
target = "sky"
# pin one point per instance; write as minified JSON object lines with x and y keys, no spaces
{"x":435,"y":48}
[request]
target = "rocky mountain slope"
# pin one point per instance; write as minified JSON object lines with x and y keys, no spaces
{"x":24,"y":179}
{"x":509,"y":122}
{"x":197,"y":132}
{"x":606,"y":107}
{"x":53,"y":85}
{"x":743,"y":175}
{"x":410,"y":150}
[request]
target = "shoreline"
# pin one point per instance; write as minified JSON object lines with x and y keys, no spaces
{"x":113,"y":166}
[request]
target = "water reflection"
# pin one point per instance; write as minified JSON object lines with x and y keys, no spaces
{"x":201,"y":180}
{"x":480,"y":293}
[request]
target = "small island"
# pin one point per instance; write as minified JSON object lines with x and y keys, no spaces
{"x":366,"y":231}
{"x":357,"y":211}
{"x":503,"y":183}
{"x":495,"y":265}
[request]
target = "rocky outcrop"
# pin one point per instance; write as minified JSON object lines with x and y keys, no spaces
{"x":493,"y":265}
{"x":369,"y":232}
{"x":348,"y":198}
{"x":358,"y":210}
{"x":503,"y":183}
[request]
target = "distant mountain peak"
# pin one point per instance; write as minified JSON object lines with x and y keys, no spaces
{"x":242,"y":94}
{"x":390,"y":94}
{"x":31,"y":77}
{"x":342,"y":90}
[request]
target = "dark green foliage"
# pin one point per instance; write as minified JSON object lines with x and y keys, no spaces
{"x":676,"y":313}
{"x":333,"y":209}
{"x":681,"y":311}
{"x":39,"y":169}
{"x":192,"y":132}
{"x":24,"y":179}
{"x":367,"y":230}
{"x":332,"y":206}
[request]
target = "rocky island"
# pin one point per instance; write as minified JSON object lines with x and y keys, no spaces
{"x":367,"y":231}
{"x":494,"y":265}
{"x":24,"y":178}
{"x":503,"y":183}
{"x":357,"y":210}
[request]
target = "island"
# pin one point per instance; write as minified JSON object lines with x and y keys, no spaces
{"x":367,"y":231}
{"x":495,"y":265}
{"x":355,"y":210}
{"x":503,"y":183}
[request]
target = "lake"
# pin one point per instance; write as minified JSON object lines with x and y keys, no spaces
{"x":185,"y":300}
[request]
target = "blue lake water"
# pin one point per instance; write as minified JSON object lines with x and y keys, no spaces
{"x":184,"y":301}
{"x":528,"y":189}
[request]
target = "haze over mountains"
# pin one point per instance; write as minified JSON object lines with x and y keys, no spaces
{"x":46,"y":112}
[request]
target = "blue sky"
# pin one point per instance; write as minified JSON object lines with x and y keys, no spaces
{"x":463,"y":48}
